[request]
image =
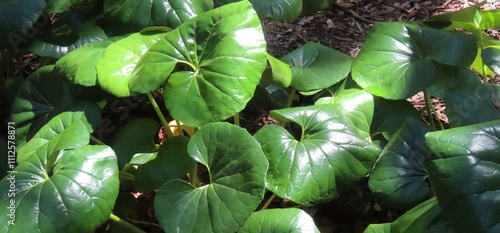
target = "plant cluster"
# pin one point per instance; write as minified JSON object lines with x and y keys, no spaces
{"x":209,"y":60}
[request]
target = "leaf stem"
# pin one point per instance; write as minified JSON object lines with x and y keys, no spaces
{"x":290,"y":99}
{"x":127,"y":175}
{"x":160,"y":114}
{"x":428,"y":107}
{"x":96,"y":140}
{"x":268,"y":202}
{"x":130,"y":227}
{"x":237,"y":119}
{"x":179,"y":127}
{"x":483,"y":66}
{"x":193,"y":176}
{"x":145,"y":223}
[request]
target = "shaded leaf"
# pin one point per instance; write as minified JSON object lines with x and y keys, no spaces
{"x":279,"y":220}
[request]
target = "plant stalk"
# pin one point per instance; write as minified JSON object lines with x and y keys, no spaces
{"x":160,"y":114}
{"x":179,"y":127}
{"x":237,"y":119}
{"x":268,"y":202}
{"x":130,"y":227}
{"x":96,"y":140}
{"x":193,"y":176}
{"x":429,"y":111}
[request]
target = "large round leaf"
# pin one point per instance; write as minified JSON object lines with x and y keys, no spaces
{"x":397,"y":59}
{"x":491,"y":58}
{"x":315,"y":66}
{"x":79,"y":65}
{"x":171,"y":162}
{"x":135,"y":138}
{"x":16,"y":18}
{"x":225,"y":54}
{"x":115,"y":67}
{"x":278,"y":9}
{"x":464,"y":173}
{"x":237,"y":169}
{"x":279,"y":220}
{"x":328,"y":157}
{"x":426,"y":217}
{"x":137,"y":14}
{"x":398,"y":178}
{"x":473,"y":104}
{"x":43,"y":95}
{"x":65,"y":185}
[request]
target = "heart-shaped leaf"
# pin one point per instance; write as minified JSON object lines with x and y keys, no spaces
{"x":328,"y":157}
{"x":279,"y":220}
{"x":79,"y":65}
{"x":72,"y":30}
{"x":278,"y":9}
{"x":171,"y":163}
{"x":225,"y":54}
{"x":137,"y":137}
{"x":425,"y":217}
{"x":398,"y":178}
{"x":464,"y":173}
{"x":491,"y":57}
{"x":237,"y":169}
{"x":315,"y":66}
{"x":114,"y":69}
{"x":278,"y":72}
{"x":16,"y":18}
{"x":43,"y":95}
{"x":137,"y":14}
{"x":471,"y":19}
{"x":389,"y":115}
{"x":67,"y":191}
{"x":473,"y":104}
{"x":404,"y":55}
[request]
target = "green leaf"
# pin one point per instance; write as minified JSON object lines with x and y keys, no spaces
{"x":135,"y":15}
{"x":61,"y":133}
{"x":378,"y":228}
{"x":225,"y":54}
{"x":315,"y":66}
{"x":237,"y":169}
{"x":79,"y":65}
{"x":472,"y":104}
{"x":279,"y":220}
{"x":72,"y":30}
{"x":425,"y":217}
{"x":405,"y":56}
{"x":281,"y":10}
{"x":135,"y":138}
{"x":491,"y":57}
{"x":43,"y":95}
{"x":328,"y":157}
{"x":359,"y":106}
{"x":472,"y":19}
{"x":114,"y":69}
{"x":16,"y":18}
{"x":171,"y":163}
{"x":449,"y":77}
{"x":463,"y":171}
{"x":398,"y":178}
{"x":281,"y":73}
{"x":389,"y":115}
{"x":4,"y":156}
{"x":73,"y":191}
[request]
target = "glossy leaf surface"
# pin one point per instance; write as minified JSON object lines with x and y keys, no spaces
{"x":65,"y":185}
{"x":119,"y":60}
{"x":224,"y":54}
{"x":279,"y":220}
{"x":315,"y":66}
{"x":172,"y":162}
{"x":138,"y":14}
{"x":278,"y":9}
{"x":397,"y":60}
{"x":79,"y":64}
{"x":327,"y":157}
{"x":463,"y":171}
{"x":473,"y":104}
{"x":137,"y":137}
{"x":237,"y":169}
{"x":426,"y":217}
{"x":398,"y":178}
